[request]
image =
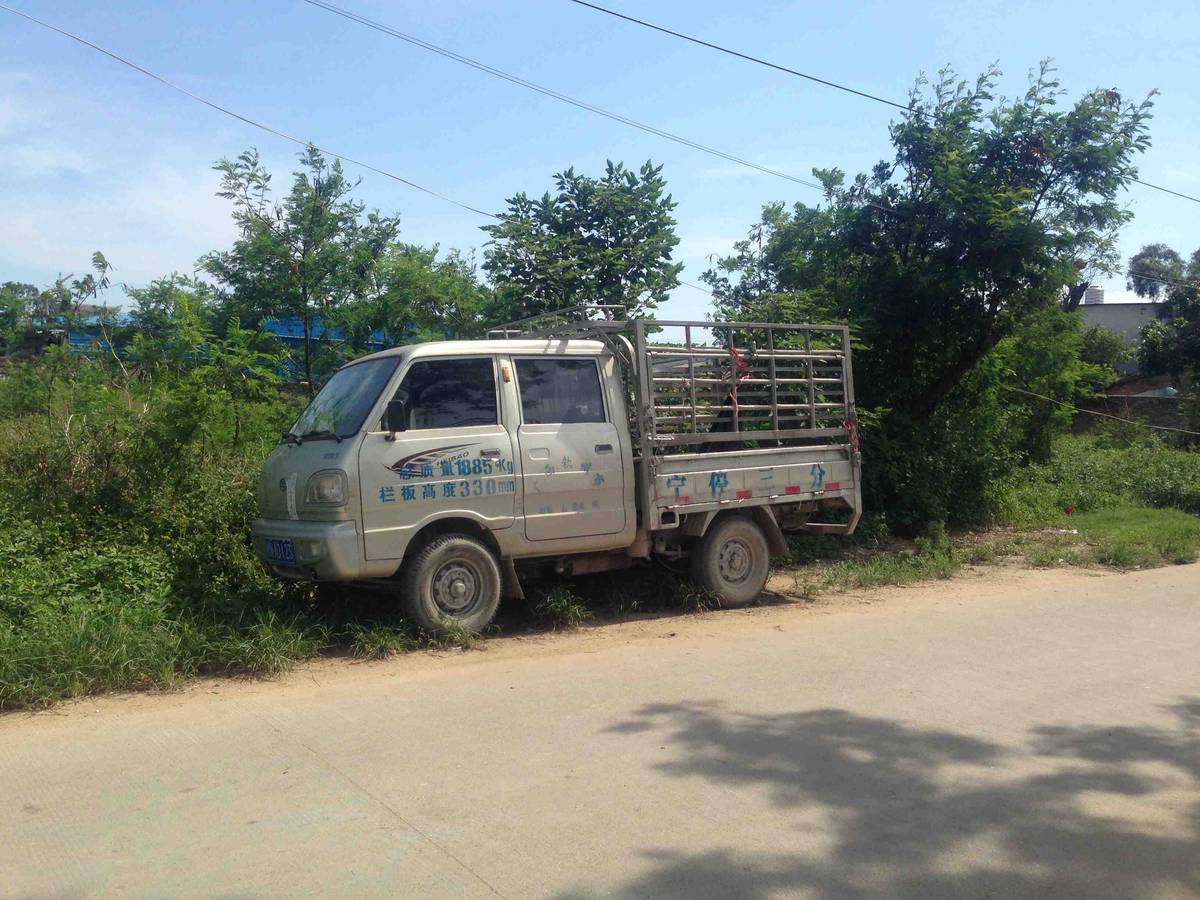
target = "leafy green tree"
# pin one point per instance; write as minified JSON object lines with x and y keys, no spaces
{"x":171,"y":318}
{"x":235,"y":369}
{"x":1170,"y":345}
{"x":421,"y":295}
{"x":594,"y":240}
{"x":990,"y":213}
{"x":1152,"y":269}
{"x":1105,"y":350}
{"x":18,"y":302}
{"x":305,"y":256}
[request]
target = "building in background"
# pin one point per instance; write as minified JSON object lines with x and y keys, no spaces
{"x":1124,"y":318}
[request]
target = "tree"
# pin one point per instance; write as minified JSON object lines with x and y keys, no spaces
{"x":1152,"y":269}
{"x":421,"y":296}
{"x":1170,"y":345}
{"x":982,"y":221}
{"x":18,"y":302}
{"x":1104,"y":350}
{"x":595,"y":240}
{"x":305,"y":256}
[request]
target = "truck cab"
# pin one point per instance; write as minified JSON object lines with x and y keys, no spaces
{"x":439,"y":468}
{"x":521,"y":445}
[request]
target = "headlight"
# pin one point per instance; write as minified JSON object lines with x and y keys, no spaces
{"x":326,"y":488}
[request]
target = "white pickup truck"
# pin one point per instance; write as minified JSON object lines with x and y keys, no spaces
{"x":577,"y":442}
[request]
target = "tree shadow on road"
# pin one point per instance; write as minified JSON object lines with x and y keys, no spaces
{"x":884,"y":808}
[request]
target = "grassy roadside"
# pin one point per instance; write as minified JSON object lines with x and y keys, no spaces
{"x":1120,"y":538}
{"x":93,"y":601}
{"x":130,"y":646}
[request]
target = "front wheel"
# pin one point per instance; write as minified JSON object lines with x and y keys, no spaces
{"x":732,"y":560}
{"x":454,"y":580}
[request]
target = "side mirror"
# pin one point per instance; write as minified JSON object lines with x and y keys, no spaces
{"x":396,"y":417}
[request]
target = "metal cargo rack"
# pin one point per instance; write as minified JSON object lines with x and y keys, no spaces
{"x":704,"y":382}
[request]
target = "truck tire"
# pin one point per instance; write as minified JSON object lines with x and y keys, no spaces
{"x":732,"y":560}
{"x":453,"y":580}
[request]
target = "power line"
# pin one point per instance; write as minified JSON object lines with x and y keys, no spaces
{"x":262,"y":126}
{"x":833,"y":84}
{"x":1092,"y":412}
{"x":747,"y":57}
{"x":246,"y":119}
{"x":557,"y":95}
{"x":1164,"y":281}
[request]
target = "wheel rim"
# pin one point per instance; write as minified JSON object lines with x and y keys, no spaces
{"x":735,"y":561}
{"x":457,"y":587}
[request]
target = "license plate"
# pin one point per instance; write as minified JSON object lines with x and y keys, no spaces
{"x":280,"y":550}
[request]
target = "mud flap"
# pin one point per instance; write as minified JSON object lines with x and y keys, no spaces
{"x":510,"y":584}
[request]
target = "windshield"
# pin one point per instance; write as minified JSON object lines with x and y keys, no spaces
{"x":347,"y":397}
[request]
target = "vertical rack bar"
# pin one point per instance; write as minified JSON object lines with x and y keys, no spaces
{"x":847,"y":376}
{"x":687,"y":333}
{"x":774,"y":383}
{"x":735,"y":413}
{"x":812,"y":389}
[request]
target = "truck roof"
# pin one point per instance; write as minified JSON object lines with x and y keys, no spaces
{"x":509,"y":345}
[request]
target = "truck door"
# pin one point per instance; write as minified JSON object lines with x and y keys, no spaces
{"x":572,"y":474}
{"x":455,"y":457}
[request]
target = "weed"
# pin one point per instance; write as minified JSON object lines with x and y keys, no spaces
{"x":374,"y":640}
{"x":451,"y":636}
{"x":560,"y":607}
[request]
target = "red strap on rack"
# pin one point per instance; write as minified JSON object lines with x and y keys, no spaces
{"x":739,"y":369}
{"x":851,"y":427}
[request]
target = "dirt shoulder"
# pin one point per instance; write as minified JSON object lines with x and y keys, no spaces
{"x":782,"y":610}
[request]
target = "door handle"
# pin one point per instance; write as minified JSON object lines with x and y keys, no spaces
{"x":490,"y":453}
{"x":604,"y":448}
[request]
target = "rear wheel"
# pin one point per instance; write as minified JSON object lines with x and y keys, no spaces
{"x":453,"y":580}
{"x":732,"y":560}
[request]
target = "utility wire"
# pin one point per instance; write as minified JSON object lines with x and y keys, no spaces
{"x":557,"y":95}
{"x":246,"y":119}
{"x":748,"y":57}
{"x":1092,"y":412}
{"x":833,"y":84}
{"x":1164,"y":281}
{"x":267,"y":128}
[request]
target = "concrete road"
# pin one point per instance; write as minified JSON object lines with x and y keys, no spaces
{"x":1021,"y":734}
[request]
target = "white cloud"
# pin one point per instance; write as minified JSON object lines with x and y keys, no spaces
{"x":694,"y":249}
{"x":147,"y":223}
{"x":143,"y":197}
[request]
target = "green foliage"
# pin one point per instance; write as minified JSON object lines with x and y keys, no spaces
{"x":306,"y":256}
{"x":423,"y":297}
{"x":125,"y":502}
{"x":929,"y":558}
{"x":1170,"y":345}
{"x":955,"y":262}
{"x":1135,"y":537}
{"x":595,"y":240}
{"x":1105,"y":350}
{"x":372,"y":640}
{"x":559,"y":606}
{"x":1085,"y":475}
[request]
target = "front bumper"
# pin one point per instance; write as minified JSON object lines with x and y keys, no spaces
{"x":325,"y":551}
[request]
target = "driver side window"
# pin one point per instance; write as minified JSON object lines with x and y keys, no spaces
{"x":449,"y":393}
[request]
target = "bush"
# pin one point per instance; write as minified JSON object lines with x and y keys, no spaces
{"x":1085,"y":474}
{"x":125,"y":546}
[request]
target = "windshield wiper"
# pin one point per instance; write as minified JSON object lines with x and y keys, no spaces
{"x":290,"y":437}
{"x":322,"y":434}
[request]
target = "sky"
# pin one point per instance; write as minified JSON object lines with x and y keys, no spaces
{"x":94,"y":156}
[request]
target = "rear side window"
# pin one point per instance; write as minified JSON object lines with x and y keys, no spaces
{"x":449,"y":393}
{"x":560,"y":391}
